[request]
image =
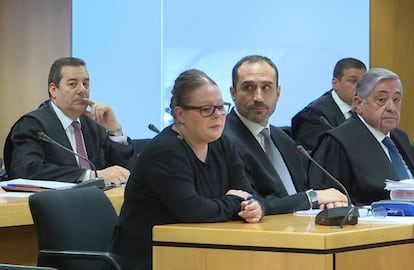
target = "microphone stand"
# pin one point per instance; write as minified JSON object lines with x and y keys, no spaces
{"x":153,"y":128}
{"x":97,"y":181}
{"x":337,"y":216}
{"x":325,"y":122}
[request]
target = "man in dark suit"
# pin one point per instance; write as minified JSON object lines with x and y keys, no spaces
{"x":332,"y":108}
{"x":26,"y":156}
{"x":255,"y":92}
{"x":355,"y":152}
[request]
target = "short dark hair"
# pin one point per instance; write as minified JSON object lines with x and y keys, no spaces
{"x":185,"y":84}
{"x":252,"y":59}
{"x":55,"y":74}
{"x":347,"y":63}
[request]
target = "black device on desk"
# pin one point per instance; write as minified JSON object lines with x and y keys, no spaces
{"x":337,"y":216}
{"x":96,"y":182}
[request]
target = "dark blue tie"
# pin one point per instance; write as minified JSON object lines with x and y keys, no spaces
{"x":396,"y":158}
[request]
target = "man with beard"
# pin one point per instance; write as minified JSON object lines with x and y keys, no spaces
{"x":274,"y":167}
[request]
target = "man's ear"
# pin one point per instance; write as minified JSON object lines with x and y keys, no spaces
{"x":52,"y":89}
{"x":278,"y":88}
{"x":358,"y":104}
{"x":335,"y":81}
{"x":233,"y":93}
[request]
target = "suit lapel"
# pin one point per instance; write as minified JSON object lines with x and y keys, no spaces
{"x":405,"y":150}
{"x":255,"y":148}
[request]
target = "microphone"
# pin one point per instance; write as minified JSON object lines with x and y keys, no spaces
{"x":153,"y":128}
{"x":337,"y":216}
{"x":325,"y":122}
{"x":98,"y":181}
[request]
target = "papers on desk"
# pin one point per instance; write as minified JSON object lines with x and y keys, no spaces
{"x":402,"y":184}
{"x":15,"y":194}
{"x":310,"y":212}
{"x":400,"y":190}
{"x":27,"y":185}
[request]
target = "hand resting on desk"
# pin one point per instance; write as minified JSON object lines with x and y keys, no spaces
{"x":251,"y":211}
{"x":113,"y":175}
{"x":329,"y":198}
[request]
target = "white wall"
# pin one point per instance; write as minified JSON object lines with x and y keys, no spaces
{"x":135,"y":49}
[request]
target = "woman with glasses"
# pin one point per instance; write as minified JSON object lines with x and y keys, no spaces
{"x":187,"y":173}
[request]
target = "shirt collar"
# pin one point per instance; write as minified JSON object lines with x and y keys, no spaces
{"x":377,"y":134}
{"x":64,"y":120}
{"x":344,"y":107}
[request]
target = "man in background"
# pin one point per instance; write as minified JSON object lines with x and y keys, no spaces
{"x":74,"y":121}
{"x":332,"y":108}
{"x":281,"y":179}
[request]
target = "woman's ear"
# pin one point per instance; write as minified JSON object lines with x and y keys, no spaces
{"x":179,"y":114}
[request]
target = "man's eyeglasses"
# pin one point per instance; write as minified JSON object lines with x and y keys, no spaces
{"x":208,"y":110}
{"x":380,"y":212}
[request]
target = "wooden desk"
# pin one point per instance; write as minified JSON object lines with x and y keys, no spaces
{"x":18,"y":241}
{"x":282,"y":242}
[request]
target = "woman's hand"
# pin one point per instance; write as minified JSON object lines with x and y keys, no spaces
{"x":251,"y":211}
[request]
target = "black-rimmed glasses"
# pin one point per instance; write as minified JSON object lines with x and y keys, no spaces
{"x":208,"y":110}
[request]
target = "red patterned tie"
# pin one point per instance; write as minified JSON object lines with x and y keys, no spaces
{"x":80,"y":146}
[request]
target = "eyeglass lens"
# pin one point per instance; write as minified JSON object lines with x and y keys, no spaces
{"x":210,"y":109}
